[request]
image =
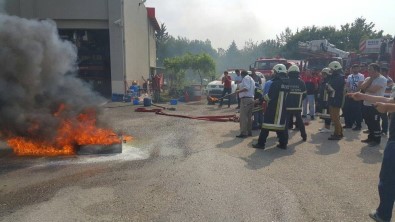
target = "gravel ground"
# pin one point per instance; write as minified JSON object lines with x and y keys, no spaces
{"x":179,"y":169}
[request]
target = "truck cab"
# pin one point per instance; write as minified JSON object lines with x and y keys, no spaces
{"x":265,"y":65}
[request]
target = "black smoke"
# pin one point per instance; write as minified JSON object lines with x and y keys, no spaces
{"x":37,"y":74}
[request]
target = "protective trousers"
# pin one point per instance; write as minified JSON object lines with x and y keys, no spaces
{"x":334,"y":112}
{"x":299,"y":121}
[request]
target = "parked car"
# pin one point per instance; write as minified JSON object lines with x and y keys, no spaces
{"x":214,"y":89}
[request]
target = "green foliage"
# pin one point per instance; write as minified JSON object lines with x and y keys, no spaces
{"x":176,"y":67}
{"x":357,"y":31}
{"x":161,"y":36}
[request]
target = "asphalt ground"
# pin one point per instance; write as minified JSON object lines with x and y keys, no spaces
{"x":178,"y":169}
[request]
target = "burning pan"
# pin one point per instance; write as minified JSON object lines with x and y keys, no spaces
{"x":99,"y":149}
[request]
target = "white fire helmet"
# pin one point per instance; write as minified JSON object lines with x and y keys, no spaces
{"x":326,"y":71}
{"x":335,"y":65}
{"x":280,"y":68}
{"x":293,"y":68}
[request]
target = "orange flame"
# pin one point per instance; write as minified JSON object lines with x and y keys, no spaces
{"x":71,"y":133}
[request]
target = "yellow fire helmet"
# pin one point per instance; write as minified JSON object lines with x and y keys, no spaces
{"x":326,"y":71}
{"x":293,"y":68}
{"x":335,"y":65}
{"x":280,"y":68}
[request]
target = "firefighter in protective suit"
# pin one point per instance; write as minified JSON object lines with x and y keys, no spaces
{"x":335,"y":89}
{"x":297,"y":92}
{"x":275,"y":116}
{"x":323,"y":97}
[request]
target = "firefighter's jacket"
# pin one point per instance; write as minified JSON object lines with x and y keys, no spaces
{"x":335,"y":89}
{"x":275,"y":114}
{"x":258,"y":95}
{"x":323,"y":97}
{"x":297,"y":92}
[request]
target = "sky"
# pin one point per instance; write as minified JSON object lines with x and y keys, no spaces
{"x":222,"y":21}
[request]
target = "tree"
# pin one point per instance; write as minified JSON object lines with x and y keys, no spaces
{"x":357,"y":31}
{"x":176,"y":68}
{"x":161,"y":36}
{"x":204,"y":65}
{"x":284,"y":36}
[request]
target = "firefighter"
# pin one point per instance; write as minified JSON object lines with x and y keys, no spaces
{"x":297,"y":92}
{"x":257,"y":110}
{"x":323,"y":101}
{"x":275,"y":114}
{"x":335,"y":89}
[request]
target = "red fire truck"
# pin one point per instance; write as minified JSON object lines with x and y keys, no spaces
{"x":319,"y":53}
{"x":265,"y":65}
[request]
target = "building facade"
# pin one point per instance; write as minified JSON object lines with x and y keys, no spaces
{"x":115,"y":38}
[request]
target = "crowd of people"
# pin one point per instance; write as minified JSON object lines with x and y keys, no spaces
{"x":357,"y":97}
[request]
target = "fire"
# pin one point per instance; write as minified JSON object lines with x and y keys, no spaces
{"x":26,"y":147}
{"x":72,"y":132}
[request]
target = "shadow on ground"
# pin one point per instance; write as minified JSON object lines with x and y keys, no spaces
{"x":263,"y":158}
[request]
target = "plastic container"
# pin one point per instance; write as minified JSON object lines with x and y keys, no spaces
{"x":136,"y":101}
{"x":127,"y":98}
{"x":173,"y":102}
{"x":117,"y":97}
{"x":147,"y":102}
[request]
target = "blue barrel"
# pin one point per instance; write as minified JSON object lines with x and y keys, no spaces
{"x":173,"y":102}
{"x":147,"y":102}
{"x":136,"y":101}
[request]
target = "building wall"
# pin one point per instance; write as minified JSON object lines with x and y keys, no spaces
{"x":132,"y":40}
{"x":117,"y":49}
{"x":139,"y":38}
{"x":152,"y":46}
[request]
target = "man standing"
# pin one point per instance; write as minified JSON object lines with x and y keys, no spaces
{"x":256,"y":78}
{"x":323,"y":101}
{"x":238,"y":80}
{"x":246,"y":93}
{"x":311,"y":86}
{"x":352,"y":108}
{"x":386,"y":186}
{"x":227,"y":81}
{"x":275,"y":115}
{"x":335,"y":88}
{"x":387,"y":93}
{"x":374,"y":85}
{"x":297,"y":92}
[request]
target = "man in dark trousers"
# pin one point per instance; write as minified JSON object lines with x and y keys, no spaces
{"x":275,"y":114}
{"x":335,"y":89}
{"x":227,"y":81}
{"x":353,"y":109}
{"x":386,"y":185}
{"x":374,"y":85}
{"x":297,"y":92}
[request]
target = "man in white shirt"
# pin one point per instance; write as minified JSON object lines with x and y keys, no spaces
{"x":246,"y":93}
{"x":238,"y":80}
{"x":353,"y":109}
{"x":374,"y":85}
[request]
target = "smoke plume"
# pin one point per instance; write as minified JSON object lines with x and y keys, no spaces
{"x":2,"y":6}
{"x":37,"y":75}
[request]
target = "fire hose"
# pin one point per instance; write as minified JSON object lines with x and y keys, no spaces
{"x":217,"y":118}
